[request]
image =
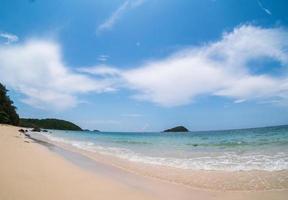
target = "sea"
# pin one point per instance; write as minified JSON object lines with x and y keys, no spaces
{"x":229,"y":150}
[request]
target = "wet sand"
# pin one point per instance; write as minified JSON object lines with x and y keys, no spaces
{"x":215,"y":180}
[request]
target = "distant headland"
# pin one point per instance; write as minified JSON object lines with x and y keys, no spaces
{"x":49,"y":124}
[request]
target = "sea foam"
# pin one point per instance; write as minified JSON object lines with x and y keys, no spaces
{"x":225,"y":160}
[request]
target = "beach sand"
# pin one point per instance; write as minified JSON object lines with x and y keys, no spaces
{"x":30,"y":170}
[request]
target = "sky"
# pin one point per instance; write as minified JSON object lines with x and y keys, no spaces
{"x":147,"y":65}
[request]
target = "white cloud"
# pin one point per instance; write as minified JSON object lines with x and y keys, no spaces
{"x":239,"y":100}
{"x":263,"y":8}
{"x":132,"y":115}
{"x":36,"y":70}
{"x":101,"y":70}
{"x":103,"y":58}
{"x":118,"y":13}
{"x":10,"y":38}
{"x":221,"y":68}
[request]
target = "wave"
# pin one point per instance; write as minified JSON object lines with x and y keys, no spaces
{"x":131,"y":142}
{"x":239,"y":143}
{"x":228,"y":161}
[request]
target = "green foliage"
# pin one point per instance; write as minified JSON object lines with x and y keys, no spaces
{"x":8,"y":114}
{"x":4,"y":118}
{"x":49,"y":124}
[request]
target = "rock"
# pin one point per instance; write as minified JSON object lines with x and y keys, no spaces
{"x":36,"y":129}
{"x":96,"y":131}
{"x":177,"y":129}
{"x":21,"y":130}
{"x":44,"y":131}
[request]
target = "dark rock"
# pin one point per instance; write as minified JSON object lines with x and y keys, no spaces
{"x":21,"y":130}
{"x":96,"y":131}
{"x":44,"y":131}
{"x":177,"y":129}
{"x":36,"y":129}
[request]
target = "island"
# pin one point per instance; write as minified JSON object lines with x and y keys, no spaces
{"x":177,"y":129}
{"x":49,"y":124}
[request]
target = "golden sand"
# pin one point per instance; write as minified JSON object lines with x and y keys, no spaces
{"x":31,"y":171}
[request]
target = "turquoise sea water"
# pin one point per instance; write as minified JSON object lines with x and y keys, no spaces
{"x":232,"y":150}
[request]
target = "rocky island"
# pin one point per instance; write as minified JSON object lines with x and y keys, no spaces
{"x":177,"y":129}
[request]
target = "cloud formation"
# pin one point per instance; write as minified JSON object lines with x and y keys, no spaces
{"x":10,"y":38}
{"x":36,"y":70}
{"x":222,"y":68}
{"x":228,"y":68}
{"x":118,"y":13}
{"x":263,"y":8}
{"x":101,"y":70}
{"x":103,"y":58}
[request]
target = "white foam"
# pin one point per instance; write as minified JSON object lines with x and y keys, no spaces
{"x":228,"y":161}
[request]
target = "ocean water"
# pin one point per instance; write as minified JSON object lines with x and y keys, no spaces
{"x":231,"y":150}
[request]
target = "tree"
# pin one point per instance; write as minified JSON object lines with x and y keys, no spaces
{"x":8,"y":114}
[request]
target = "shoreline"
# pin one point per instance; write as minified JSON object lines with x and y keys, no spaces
{"x":207,"y":180}
{"x":33,"y":171}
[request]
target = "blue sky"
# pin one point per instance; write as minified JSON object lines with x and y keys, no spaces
{"x":147,"y":65}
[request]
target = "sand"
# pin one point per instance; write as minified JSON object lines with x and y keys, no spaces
{"x":29,"y":170}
